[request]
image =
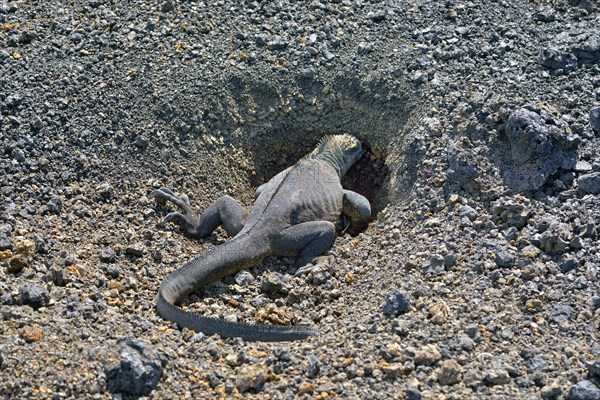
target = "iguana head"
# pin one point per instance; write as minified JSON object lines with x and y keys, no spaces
{"x":341,"y":150}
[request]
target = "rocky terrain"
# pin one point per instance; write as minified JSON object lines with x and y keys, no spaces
{"x":478,"y":277}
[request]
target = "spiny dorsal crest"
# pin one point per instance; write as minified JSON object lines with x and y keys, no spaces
{"x":332,"y":143}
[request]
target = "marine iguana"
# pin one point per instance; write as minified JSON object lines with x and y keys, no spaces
{"x":293,"y":215}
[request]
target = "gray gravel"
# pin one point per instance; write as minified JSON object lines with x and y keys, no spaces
{"x":478,"y":278}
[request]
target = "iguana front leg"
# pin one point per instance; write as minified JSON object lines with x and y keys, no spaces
{"x":225,"y":211}
{"x":358,"y":208}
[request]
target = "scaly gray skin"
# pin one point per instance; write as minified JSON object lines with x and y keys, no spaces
{"x":293,"y":215}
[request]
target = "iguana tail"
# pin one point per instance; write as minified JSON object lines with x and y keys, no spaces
{"x":212,"y":265}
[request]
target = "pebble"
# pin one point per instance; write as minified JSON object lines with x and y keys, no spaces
{"x":594,"y":368}
{"x":434,"y":265}
{"x":584,"y":390}
{"x":469,"y":212}
{"x":31,"y":334}
{"x":16,"y":264}
{"x":35,"y":296}
{"x":274,"y":283}
{"x":391,"y":371}
{"x":306,"y":388}
{"x":449,"y":372}
{"x":137,"y":251}
{"x":250,"y":377}
{"x":244,"y":278}
{"x":108,"y":256}
{"x":396,"y":303}
{"x":497,"y":376}
{"x":25,"y":247}
{"x":541,"y":143}
{"x":427,"y":355}
{"x":131,"y":367}
{"x":589,"y":183}
{"x":560,"y":313}
{"x":595,"y":120}
{"x":308,"y":73}
{"x":141,"y":142}
{"x":504,"y":259}
{"x":582,"y":166}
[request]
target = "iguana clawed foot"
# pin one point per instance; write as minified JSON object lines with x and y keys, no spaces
{"x":188,"y":219}
{"x":316,"y":264}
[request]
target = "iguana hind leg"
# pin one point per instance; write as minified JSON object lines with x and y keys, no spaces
{"x":306,"y":241}
{"x":225,"y":211}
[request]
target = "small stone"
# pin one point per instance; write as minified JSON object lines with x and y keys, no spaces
{"x":427,"y":355}
{"x":277,"y":43}
{"x":243,"y":278}
{"x":590,"y":183}
{"x":313,"y":367}
{"x":134,"y":251}
{"x":377,"y":16}
{"x":504,"y":259}
{"x":251,"y":377}
{"x":131,"y":367}
{"x":453,"y":198}
{"x":396,"y":303}
{"x":31,"y":334}
{"x":449,"y":373}
{"x":469,"y":212}
{"x":560,"y":313}
{"x":552,"y":243}
{"x":466,"y":343}
{"x":595,"y":120}
{"x":273,"y":283}
{"x":449,"y":260}
{"x":412,"y":393}
{"x":167,"y":6}
{"x":113,"y":271}
{"x":328,"y":55}
{"x":35,"y":296}
{"x":25,"y":247}
{"x":434,"y":265}
{"x":582,"y":166}
{"x":261,"y":39}
{"x":213,"y":349}
{"x":105,"y":190}
{"x":306,"y":388}
{"x":584,"y":390}
{"x":308,"y":73}
{"x":545,"y":15}
{"x":141,"y":142}
{"x":551,"y":392}
{"x":108,"y":256}
{"x":391,"y":371}
{"x":232,"y":359}
{"x":497,"y":377}
{"x":594,"y":368}
{"x":54,"y":205}
{"x":530,"y":251}
{"x":511,"y":233}
{"x":568,"y":264}
{"x":36,"y":123}
{"x":16,"y":264}
{"x":533,"y":305}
